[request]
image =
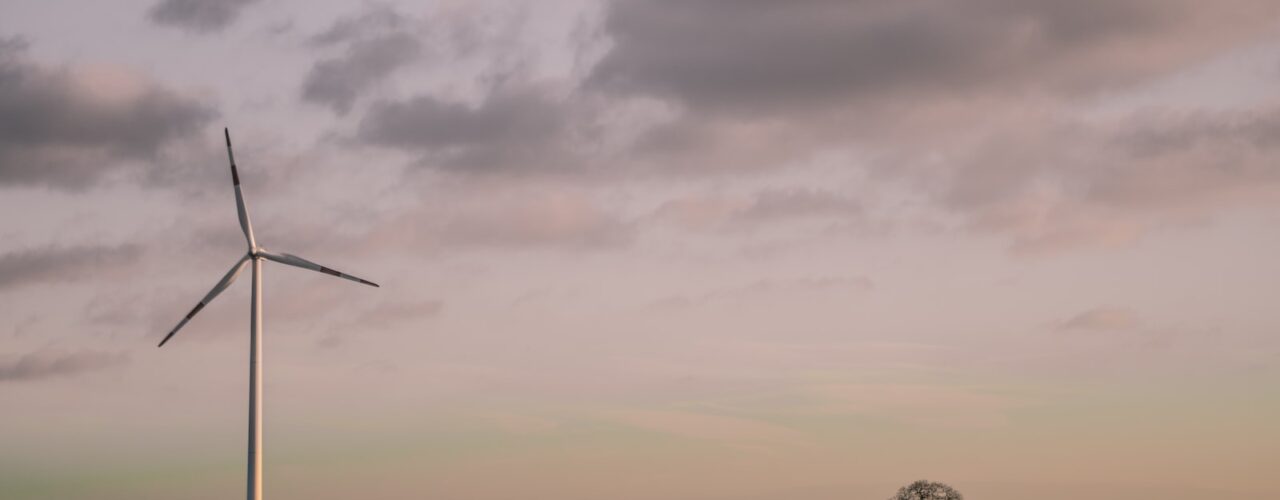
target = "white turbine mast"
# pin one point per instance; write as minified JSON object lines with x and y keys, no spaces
{"x":255,"y":255}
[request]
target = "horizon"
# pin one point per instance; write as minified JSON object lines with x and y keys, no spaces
{"x":630,"y":249}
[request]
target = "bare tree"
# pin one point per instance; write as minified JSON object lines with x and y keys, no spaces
{"x":927,"y":490}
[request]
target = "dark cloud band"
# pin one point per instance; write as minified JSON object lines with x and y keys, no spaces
{"x":201,"y":16}
{"x":59,"y":130}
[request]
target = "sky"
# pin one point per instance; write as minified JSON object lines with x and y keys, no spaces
{"x":662,"y":249}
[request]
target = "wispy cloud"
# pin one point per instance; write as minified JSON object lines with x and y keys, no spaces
{"x":1101,"y":319}
{"x":63,"y":264}
{"x":54,"y":363}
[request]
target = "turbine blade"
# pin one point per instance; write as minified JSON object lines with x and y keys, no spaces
{"x":226,"y":281}
{"x":241,"y":210}
{"x":295,"y":261}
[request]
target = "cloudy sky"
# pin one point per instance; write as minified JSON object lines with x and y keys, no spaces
{"x":636,"y":250}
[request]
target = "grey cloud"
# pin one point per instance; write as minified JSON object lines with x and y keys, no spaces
{"x":699,"y":144}
{"x":783,"y":79}
{"x":521,"y":122}
{"x":1101,"y":319}
{"x":378,"y":42}
{"x":375,"y":20}
{"x":201,"y":16}
{"x":737,"y":56}
{"x":60,"y":130}
{"x":338,"y":82}
{"x":10,"y":46}
{"x":63,"y":264}
{"x":51,"y":363}
{"x":1165,"y":132}
{"x":972,"y":104}
{"x":512,"y":128}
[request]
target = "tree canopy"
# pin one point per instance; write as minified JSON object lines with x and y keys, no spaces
{"x":927,"y":490}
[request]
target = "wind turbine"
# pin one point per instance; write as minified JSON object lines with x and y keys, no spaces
{"x":255,"y":255}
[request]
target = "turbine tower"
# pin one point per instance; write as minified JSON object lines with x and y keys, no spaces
{"x":255,"y":255}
